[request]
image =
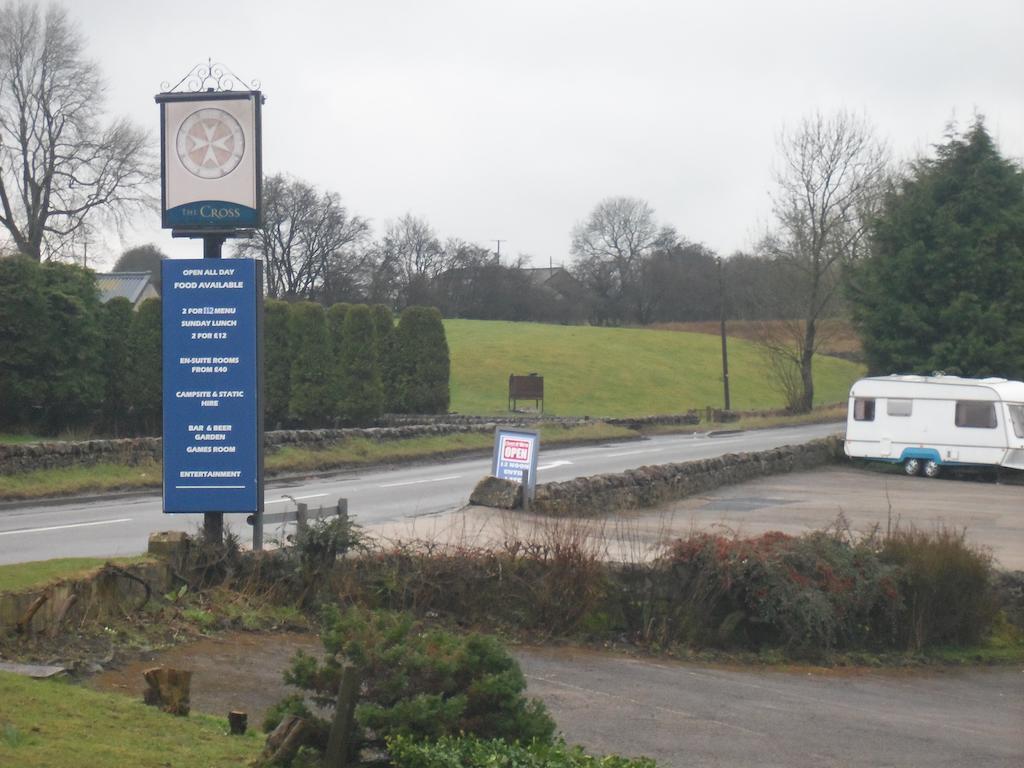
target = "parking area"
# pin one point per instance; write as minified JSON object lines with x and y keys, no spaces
{"x":993,"y":514}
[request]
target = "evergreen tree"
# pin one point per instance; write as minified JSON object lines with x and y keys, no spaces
{"x":23,"y":337}
{"x":277,"y":363}
{"x":118,"y":376}
{"x":311,"y":403}
{"x":362,"y":397}
{"x":423,"y":362}
{"x":146,"y":355}
{"x":336,"y":315}
{"x":387,"y":362}
{"x":944,"y":288}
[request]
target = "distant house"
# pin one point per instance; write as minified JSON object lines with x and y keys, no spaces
{"x":134,"y":286}
{"x":572,"y":297}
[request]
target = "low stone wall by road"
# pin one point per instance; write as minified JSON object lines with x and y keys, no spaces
{"x":650,"y":486}
{"x":15,"y":459}
{"x":28,"y":457}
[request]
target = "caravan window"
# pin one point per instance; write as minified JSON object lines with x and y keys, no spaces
{"x":1017,"y":417}
{"x":863,"y":409}
{"x":975,"y":413}
{"x":899,"y":407}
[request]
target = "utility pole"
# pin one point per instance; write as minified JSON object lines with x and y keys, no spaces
{"x":499,"y":242}
{"x":725,"y":351}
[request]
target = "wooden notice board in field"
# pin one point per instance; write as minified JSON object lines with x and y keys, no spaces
{"x":529,"y":387}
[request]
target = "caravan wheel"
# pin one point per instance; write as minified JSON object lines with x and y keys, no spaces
{"x":912,"y":466}
{"x":932,"y":469}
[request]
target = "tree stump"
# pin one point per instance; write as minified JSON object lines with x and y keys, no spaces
{"x":285,"y":740}
{"x":238,"y":721}
{"x":168,"y":689}
{"x":340,"y":740}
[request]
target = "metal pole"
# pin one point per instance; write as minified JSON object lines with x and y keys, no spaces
{"x":725,"y":351}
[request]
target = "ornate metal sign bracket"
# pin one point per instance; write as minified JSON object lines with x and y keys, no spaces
{"x":211,"y":77}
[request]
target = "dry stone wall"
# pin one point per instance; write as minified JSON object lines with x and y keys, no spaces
{"x":15,"y":459}
{"x":650,"y":486}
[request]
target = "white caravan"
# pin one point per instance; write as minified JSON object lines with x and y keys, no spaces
{"x":929,"y":422}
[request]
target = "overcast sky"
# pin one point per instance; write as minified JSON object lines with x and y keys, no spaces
{"x":511,"y":120}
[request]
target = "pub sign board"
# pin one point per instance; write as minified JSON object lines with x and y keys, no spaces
{"x":210,"y":161}
{"x":212,"y":442}
{"x":516,"y":450}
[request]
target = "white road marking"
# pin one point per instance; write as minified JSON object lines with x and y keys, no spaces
{"x":634,"y":453}
{"x":64,"y":527}
{"x":417,"y":482}
{"x":553,"y":464}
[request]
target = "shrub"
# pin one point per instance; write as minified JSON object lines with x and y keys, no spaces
{"x":361,"y":395}
{"x":277,"y":364}
{"x":116,"y":323}
{"x":336,"y":315}
{"x":311,"y":403}
{"x":470,"y":752}
{"x":423,"y":363}
{"x":146,"y":352}
{"x":946,"y":585}
{"x":810,"y":593}
{"x":50,"y":345}
{"x":387,"y":361}
{"x":419,"y":682}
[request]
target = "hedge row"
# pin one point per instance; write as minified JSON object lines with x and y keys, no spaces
{"x":68,"y":362}
{"x":350,"y":364}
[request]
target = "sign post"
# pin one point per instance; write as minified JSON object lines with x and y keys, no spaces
{"x":211,"y":188}
{"x":515,"y":458}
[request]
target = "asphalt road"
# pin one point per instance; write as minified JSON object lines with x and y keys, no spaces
{"x":686,"y":715}
{"x":121,"y":526}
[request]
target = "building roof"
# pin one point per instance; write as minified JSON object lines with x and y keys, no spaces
{"x":128,"y":285}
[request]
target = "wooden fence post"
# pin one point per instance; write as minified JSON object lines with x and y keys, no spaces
{"x":340,"y":741}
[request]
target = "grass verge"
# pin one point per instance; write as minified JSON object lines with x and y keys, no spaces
{"x":103,"y":478}
{"x":22,"y":576}
{"x":59,"y":725}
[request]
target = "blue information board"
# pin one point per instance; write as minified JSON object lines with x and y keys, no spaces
{"x":212,"y":437}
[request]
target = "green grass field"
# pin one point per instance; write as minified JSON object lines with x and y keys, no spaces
{"x":54,"y":724}
{"x":612,"y":372}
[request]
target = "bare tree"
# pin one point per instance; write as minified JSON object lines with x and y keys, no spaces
{"x":308,"y":242}
{"x":58,"y":163}
{"x":411,"y":255}
{"x":611,"y":249}
{"x":832,"y":175}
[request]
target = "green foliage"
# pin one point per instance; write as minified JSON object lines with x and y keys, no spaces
{"x":423,"y":363}
{"x":944,"y":289}
{"x":810,"y":593}
{"x":23,"y":332}
{"x":310,"y":404}
{"x":50,"y":345}
{"x":116,"y":319}
{"x":472,"y":752}
{"x":145,"y":352}
{"x":422,"y":683}
{"x":277,"y":363}
{"x":387,"y":355}
{"x":336,"y":315}
{"x":946,"y":587}
{"x":361,"y":393}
